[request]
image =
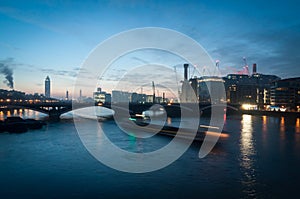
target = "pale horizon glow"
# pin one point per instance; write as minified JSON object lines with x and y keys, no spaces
{"x":53,"y":38}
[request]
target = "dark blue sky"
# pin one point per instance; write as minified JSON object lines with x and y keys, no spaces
{"x":54,"y":37}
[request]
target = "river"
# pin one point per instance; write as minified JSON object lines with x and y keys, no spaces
{"x":260,"y":159}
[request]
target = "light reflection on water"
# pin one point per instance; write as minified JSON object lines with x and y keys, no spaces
{"x":24,"y":113}
{"x":254,"y":168}
{"x":297,"y":126}
{"x":282,"y":127}
{"x":264,"y":123}
{"x":264,"y":129}
{"x":248,"y":151}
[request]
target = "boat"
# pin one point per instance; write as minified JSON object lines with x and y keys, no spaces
{"x":16,"y":124}
{"x":172,"y":131}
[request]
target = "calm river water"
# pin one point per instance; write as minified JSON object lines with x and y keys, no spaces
{"x":260,"y":159}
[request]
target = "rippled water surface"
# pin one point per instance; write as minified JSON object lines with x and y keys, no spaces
{"x":260,"y":159}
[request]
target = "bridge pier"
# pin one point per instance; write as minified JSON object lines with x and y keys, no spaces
{"x":54,"y":115}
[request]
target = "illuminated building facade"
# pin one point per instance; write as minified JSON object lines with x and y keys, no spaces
{"x":245,"y":89}
{"x":101,"y":97}
{"x":285,"y":93}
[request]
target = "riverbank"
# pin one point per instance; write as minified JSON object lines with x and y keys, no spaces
{"x":269,"y":113}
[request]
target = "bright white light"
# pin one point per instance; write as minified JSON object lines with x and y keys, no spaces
{"x":282,"y":109}
{"x":249,"y":107}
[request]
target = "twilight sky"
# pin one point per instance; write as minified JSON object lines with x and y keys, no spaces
{"x":40,"y":38}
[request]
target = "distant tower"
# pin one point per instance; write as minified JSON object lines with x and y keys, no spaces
{"x":67,"y":95}
{"x":254,"y":69}
{"x":47,"y":87}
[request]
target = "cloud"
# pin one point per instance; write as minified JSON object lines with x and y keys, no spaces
{"x":69,"y":73}
{"x":275,"y":50}
{"x":142,"y":77}
{"x":9,"y":46}
{"x":29,"y":16}
{"x":39,"y":84}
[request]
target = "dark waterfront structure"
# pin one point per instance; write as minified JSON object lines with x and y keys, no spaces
{"x":11,"y":95}
{"x":205,"y":87}
{"x":120,"y":96}
{"x":285,"y":93}
{"x":47,"y":87}
{"x":138,"y":98}
{"x":245,"y":89}
{"x":18,"y":96}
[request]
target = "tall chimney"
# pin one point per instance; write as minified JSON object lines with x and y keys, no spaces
{"x":254,"y":69}
{"x":186,"y":71}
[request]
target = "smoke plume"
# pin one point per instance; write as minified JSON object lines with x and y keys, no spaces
{"x":7,"y":71}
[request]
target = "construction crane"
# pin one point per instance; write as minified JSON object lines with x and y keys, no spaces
{"x":194,"y":68}
{"x":218,"y":64}
{"x":246,"y":65}
{"x":217,"y":69}
{"x":176,"y":80}
{"x":153,"y":88}
{"x":245,"y":61}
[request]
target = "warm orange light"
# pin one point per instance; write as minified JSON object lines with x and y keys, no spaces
{"x":282,"y":121}
{"x":264,"y":119}
{"x":298,"y":125}
{"x":1,"y":115}
{"x":264,"y":124}
{"x":216,"y":134}
{"x":282,"y":127}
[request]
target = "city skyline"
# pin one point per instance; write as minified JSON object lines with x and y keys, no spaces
{"x":52,"y":38}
